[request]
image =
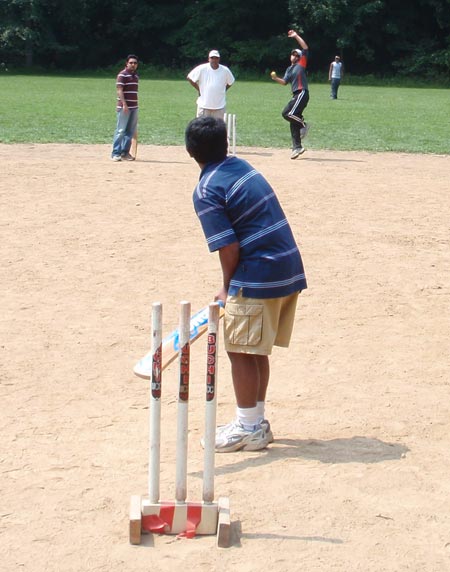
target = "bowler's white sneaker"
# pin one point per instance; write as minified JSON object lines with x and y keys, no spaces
{"x":297,"y":152}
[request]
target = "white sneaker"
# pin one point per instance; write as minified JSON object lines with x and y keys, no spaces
{"x":116,"y":158}
{"x":297,"y":152}
{"x":233,"y":437}
{"x":266,"y":426}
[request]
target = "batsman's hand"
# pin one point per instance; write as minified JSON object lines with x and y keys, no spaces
{"x":221,"y":295}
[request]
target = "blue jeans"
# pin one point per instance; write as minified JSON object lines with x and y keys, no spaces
{"x":126,"y":126}
{"x":335,"y":82}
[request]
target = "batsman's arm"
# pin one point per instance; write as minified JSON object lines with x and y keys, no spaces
{"x":229,"y":259}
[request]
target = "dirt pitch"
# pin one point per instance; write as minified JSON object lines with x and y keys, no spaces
{"x":358,"y":477}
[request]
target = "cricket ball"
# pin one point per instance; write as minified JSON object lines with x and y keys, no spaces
{"x":273,"y":74}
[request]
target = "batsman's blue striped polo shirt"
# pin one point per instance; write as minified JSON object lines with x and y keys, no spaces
{"x":234,"y":202}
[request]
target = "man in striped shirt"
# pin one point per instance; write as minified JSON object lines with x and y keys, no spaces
{"x":262,"y":274}
{"x":127,"y":84}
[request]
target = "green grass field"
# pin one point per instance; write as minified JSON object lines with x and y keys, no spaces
{"x":52,"y":109}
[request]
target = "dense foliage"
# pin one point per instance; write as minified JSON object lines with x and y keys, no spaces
{"x":410,"y":37}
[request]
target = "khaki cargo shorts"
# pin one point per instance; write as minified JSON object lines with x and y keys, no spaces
{"x":255,"y":325}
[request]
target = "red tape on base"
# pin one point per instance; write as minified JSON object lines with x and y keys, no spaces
{"x":194,"y":516}
{"x":159,"y":523}
{"x":162,"y":523}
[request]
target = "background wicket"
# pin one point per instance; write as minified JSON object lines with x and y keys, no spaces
{"x":230,"y":121}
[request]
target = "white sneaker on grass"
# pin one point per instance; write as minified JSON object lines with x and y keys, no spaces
{"x":233,"y":437}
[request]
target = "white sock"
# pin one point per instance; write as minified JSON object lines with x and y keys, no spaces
{"x":248,"y":417}
{"x":261,"y":405}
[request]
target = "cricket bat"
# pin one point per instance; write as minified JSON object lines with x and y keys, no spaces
{"x":171,"y":346}
{"x":134,"y":144}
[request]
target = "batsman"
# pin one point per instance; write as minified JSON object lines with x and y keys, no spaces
{"x":262,"y":274}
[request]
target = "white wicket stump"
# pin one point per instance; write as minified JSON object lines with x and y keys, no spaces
{"x":181,"y":517}
{"x":230,"y":122}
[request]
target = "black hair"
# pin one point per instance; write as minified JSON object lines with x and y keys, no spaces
{"x":132,"y":56}
{"x":206,"y":140}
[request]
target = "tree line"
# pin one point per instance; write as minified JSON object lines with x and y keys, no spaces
{"x":381,"y":37}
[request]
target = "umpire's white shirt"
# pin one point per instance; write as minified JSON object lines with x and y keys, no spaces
{"x":213,"y":84}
